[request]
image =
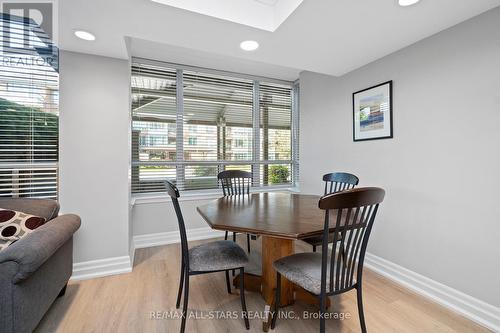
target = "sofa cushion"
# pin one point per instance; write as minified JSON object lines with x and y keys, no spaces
{"x":45,"y":208}
{"x":15,"y":225}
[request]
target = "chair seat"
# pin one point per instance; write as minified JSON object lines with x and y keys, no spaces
{"x":216,"y":256}
{"x":318,"y":240}
{"x":304,"y":269}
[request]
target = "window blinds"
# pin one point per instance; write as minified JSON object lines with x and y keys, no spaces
{"x":29,"y":87}
{"x":188,"y":125}
{"x":275,"y":133}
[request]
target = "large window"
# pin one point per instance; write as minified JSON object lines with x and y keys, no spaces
{"x":29,"y":91}
{"x":188,"y":125}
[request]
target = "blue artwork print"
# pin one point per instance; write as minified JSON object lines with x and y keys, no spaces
{"x":371,"y":112}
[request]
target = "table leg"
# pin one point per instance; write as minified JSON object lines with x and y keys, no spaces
{"x":252,"y":282}
{"x":272,"y":250}
{"x":306,"y":297}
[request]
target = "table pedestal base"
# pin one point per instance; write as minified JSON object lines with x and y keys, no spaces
{"x":272,"y":250}
{"x":253,"y":283}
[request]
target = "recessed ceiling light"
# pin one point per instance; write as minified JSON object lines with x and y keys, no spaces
{"x":85,"y":35}
{"x":249,"y":45}
{"x":405,"y":3}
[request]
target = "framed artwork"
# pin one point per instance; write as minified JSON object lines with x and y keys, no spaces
{"x":372,"y":113}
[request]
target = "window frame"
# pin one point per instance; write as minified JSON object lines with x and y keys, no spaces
{"x":29,"y":176}
{"x":181,"y":164}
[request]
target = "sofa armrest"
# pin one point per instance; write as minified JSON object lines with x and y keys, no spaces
{"x":32,"y":251}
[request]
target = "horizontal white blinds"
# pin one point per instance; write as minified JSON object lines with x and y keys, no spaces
{"x":217,"y":118}
{"x":275,"y":107}
{"x":211,"y":129}
{"x":29,"y":91}
{"x":154,"y":130}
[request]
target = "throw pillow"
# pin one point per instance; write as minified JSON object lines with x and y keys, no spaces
{"x":15,"y":225}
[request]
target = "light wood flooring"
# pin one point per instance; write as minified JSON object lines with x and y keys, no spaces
{"x":124,"y":303}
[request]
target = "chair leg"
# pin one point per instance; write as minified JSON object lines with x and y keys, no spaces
{"x":277,"y":300}
{"x":234,"y":240}
{"x":228,"y":283}
{"x":226,"y":235}
{"x":242,"y":296}
{"x":185,"y":304}
{"x":248,"y":242}
{"x":314,"y":248}
{"x":360,"y":309}
{"x":181,"y":282}
{"x":322,"y":311}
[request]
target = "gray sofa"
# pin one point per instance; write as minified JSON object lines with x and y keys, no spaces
{"x":35,"y":270}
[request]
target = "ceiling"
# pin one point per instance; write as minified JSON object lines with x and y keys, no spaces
{"x":262,"y":14}
{"x":325,"y":36}
{"x":188,"y":56}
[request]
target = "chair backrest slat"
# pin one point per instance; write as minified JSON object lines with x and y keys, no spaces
{"x":339,"y":181}
{"x":352,"y":213}
{"x":341,"y":269}
{"x":174,"y":195}
{"x":235,"y":182}
{"x":353,"y":249}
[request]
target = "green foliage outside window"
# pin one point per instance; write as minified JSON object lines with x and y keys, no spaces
{"x":201,"y":171}
{"x":31,"y":127}
{"x":278,"y":174}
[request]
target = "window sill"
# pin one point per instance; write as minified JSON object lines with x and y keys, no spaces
{"x":198,"y":195}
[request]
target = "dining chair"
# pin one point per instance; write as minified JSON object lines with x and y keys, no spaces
{"x":236,"y":182}
{"x":352,"y":214}
{"x":334,"y":182}
{"x":206,"y":258}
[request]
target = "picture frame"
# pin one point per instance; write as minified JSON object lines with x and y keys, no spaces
{"x":372,"y":113}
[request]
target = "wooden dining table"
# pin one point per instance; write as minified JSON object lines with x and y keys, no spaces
{"x":280,"y":218}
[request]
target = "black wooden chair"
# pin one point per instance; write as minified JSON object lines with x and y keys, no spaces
{"x":236,"y":182}
{"x":206,"y":258}
{"x":334,"y":182}
{"x":324,"y":274}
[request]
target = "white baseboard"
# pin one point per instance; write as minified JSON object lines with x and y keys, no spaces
{"x":171,"y":237}
{"x":481,"y":312}
{"x":119,"y":265}
{"x":102,"y":267}
{"x":132,"y":252}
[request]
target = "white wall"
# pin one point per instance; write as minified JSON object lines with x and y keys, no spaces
{"x":94,"y":152}
{"x":157,"y":217}
{"x":441,"y":171}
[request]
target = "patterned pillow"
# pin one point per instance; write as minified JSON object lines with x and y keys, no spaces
{"x":15,"y":225}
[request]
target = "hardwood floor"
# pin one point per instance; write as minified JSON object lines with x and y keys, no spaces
{"x":125,"y":303}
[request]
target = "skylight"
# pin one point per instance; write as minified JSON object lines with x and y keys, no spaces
{"x":261,"y":14}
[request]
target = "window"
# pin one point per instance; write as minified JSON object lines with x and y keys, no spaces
{"x":210,"y":122}
{"x":29,"y":122}
{"x":240,"y":143}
